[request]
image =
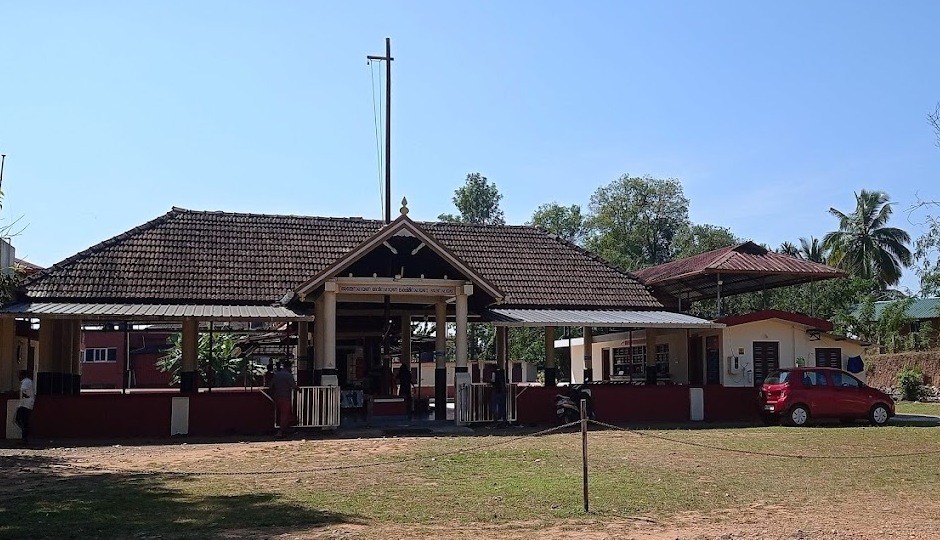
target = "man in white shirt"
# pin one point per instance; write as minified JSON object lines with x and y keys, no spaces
{"x":27,"y":401}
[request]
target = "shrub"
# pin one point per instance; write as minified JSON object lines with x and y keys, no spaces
{"x":910,"y":381}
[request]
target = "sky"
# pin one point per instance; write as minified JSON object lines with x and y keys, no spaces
{"x":769,"y":113}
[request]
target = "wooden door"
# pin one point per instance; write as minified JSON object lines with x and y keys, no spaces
{"x":766,"y":359}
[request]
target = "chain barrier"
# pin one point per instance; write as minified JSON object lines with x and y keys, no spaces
{"x":335,"y":467}
{"x":641,"y":433}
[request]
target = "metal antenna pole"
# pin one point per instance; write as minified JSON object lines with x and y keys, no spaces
{"x":3,"y":159}
{"x":388,"y":125}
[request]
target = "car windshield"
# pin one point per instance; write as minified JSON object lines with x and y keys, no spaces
{"x":777,"y":377}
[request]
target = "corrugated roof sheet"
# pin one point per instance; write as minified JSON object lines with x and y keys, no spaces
{"x":920,"y":308}
{"x":190,"y":257}
{"x":604,"y":318}
{"x":743,"y":268}
{"x":144,"y":312}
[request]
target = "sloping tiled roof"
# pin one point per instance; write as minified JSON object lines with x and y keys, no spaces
{"x":743,"y":268}
{"x":27,"y":266}
{"x":222,"y":257}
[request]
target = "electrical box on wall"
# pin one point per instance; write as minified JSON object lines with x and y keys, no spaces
{"x":740,"y":351}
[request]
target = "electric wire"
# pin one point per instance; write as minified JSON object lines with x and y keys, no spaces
{"x":379,"y":160}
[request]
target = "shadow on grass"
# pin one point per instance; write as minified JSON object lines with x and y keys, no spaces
{"x":43,"y":496}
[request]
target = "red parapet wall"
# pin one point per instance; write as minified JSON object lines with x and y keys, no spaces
{"x":230,"y":413}
{"x":612,"y":403}
{"x":102,"y":416}
{"x":727,"y":404}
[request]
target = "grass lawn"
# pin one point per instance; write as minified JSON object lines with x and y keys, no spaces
{"x":531,"y":483}
{"x":917,"y":407}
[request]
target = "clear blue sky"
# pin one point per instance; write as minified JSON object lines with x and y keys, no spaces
{"x":112,"y":113}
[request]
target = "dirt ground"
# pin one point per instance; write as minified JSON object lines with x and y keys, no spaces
{"x":861,"y":520}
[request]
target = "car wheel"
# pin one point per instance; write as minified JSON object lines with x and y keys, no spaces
{"x":798,"y":415}
{"x":879,"y":415}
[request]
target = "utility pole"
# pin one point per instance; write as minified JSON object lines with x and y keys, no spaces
{"x":3,"y":159}
{"x":388,"y":125}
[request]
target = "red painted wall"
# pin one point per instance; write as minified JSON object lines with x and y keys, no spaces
{"x":109,"y":374}
{"x":102,"y":415}
{"x":230,"y":412}
{"x":724,"y":404}
{"x":627,"y":403}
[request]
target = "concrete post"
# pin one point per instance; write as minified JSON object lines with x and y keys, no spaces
{"x":650,"y":356}
{"x":551,"y":372}
{"x":588,"y":353}
{"x":319,"y":341}
{"x":330,"y":377}
{"x":440,"y":360}
{"x":304,"y":371}
{"x":461,"y":374}
{"x":189,"y":371}
{"x":9,"y":381}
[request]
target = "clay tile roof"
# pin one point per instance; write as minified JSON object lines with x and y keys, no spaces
{"x":219,"y":257}
{"x":743,"y":268}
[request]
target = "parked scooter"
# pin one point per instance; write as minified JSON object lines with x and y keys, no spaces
{"x":568,"y":406}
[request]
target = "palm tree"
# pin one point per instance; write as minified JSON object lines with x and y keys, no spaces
{"x":864,"y":245}
{"x":788,"y":248}
{"x":812,"y":250}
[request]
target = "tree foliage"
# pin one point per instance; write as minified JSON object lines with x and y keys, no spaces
{"x":634,"y":221}
{"x":811,"y":249}
{"x":477,"y":201}
{"x":216,"y":360}
{"x":697,"y":239}
{"x":565,"y":221}
{"x":927,"y":258}
{"x":864,"y":245}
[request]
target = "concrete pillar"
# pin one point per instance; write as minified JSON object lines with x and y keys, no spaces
{"x":319,"y":342}
{"x":189,"y":372}
{"x":9,"y":380}
{"x":461,"y":374}
{"x":406,"y":340}
{"x":304,"y":367}
{"x":440,"y":360}
{"x":650,"y":356}
{"x":551,"y":372}
{"x":74,"y":355}
{"x":49,"y":374}
{"x":588,"y":353}
{"x":329,"y":335}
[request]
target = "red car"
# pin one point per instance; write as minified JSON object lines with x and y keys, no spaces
{"x":798,"y":394}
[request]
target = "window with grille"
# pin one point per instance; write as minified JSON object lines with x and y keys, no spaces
{"x":108,"y":354}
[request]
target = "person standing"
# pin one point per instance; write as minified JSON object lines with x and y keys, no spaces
{"x":498,"y":394}
{"x":404,"y":386}
{"x":282,"y":388}
{"x":27,"y":401}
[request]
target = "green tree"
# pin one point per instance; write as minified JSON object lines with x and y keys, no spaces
{"x":789,"y":248}
{"x":927,"y":258}
{"x":864,"y":245}
{"x":702,"y":238}
{"x":635,"y":221}
{"x":812,"y":250}
{"x":477,"y":201}
{"x":564,"y":221}
{"x":217,"y":353}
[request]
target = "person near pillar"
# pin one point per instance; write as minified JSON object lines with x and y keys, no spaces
{"x":498,"y":394}
{"x":404,"y":386}
{"x":283,"y":386}
{"x":24,"y":411}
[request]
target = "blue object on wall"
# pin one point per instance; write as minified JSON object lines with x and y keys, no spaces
{"x":855,"y":364}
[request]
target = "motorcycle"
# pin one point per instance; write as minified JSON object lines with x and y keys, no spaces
{"x":568,"y":406}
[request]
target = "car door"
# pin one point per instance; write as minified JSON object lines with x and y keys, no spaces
{"x":851,"y":396}
{"x":818,"y":393}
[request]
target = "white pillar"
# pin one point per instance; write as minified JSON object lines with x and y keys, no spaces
{"x":329,"y":335}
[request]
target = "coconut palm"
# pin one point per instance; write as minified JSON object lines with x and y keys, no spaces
{"x":788,"y":248}
{"x":812,"y":250}
{"x":864,"y":245}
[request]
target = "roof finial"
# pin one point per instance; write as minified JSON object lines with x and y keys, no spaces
{"x":404,"y":206}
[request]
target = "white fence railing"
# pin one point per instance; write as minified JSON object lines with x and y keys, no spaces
{"x":475,"y":405}
{"x":315,"y":406}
